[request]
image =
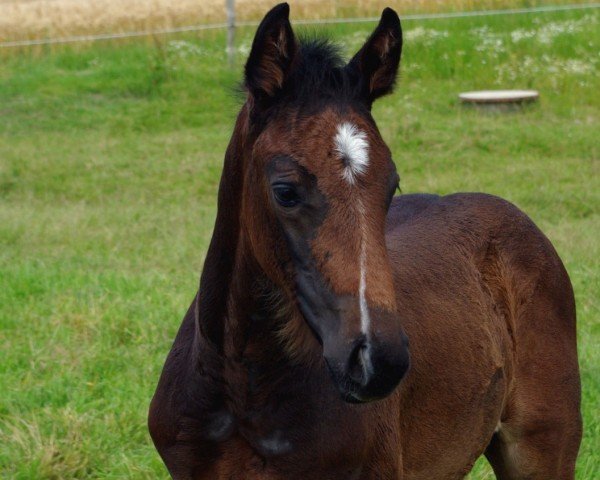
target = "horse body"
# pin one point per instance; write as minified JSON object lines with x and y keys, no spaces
{"x":316,"y":277}
{"x":471,"y":295}
{"x":479,"y":284}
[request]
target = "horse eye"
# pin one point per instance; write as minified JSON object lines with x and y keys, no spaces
{"x":286,"y":195}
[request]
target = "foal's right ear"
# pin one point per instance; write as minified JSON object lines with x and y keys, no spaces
{"x":273,"y":52}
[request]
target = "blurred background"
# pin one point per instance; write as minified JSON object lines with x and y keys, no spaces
{"x":33,"y":19}
{"x":114,"y":118}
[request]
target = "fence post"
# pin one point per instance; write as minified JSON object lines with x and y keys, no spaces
{"x":230,"y":8}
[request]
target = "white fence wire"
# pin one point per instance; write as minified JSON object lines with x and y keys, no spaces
{"x":231,"y":24}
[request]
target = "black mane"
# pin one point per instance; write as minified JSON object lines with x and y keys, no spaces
{"x":319,"y":77}
{"x":319,"y":73}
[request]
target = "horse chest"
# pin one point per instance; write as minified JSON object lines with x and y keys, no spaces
{"x":288,"y":433}
{"x":276,"y":457}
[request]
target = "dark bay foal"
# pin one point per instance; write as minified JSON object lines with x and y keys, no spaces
{"x":293,"y":360}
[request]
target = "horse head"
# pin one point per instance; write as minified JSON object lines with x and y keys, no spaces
{"x":312,"y":180}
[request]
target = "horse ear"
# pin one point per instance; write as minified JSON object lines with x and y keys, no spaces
{"x":273,"y":52}
{"x":375,"y":66}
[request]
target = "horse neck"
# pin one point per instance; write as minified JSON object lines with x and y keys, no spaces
{"x":252,"y":360}
{"x":214,"y":291}
{"x":256,"y":308}
{"x":232,"y":309}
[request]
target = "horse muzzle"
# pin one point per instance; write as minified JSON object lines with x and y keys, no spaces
{"x":365,"y":366}
{"x":368,"y":369}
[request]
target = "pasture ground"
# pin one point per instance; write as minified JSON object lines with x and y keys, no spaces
{"x":110,"y":156}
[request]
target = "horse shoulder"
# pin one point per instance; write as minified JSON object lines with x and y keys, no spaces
{"x":184,"y":424}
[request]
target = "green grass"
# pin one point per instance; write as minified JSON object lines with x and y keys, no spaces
{"x":110,"y":156}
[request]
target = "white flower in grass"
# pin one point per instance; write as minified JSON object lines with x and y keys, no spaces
{"x":521,"y":34}
{"x":184,"y":49}
{"x":244,"y":49}
{"x":427,"y":36}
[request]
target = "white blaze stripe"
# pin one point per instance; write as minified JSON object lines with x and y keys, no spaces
{"x":352,"y":146}
{"x":365,"y":320}
{"x":351,"y":143}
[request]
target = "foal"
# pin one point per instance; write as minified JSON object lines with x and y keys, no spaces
{"x":315,"y":279}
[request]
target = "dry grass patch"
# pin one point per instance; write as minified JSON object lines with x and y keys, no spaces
{"x":34,"y":19}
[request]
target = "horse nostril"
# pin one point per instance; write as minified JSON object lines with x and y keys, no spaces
{"x":354,"y":367}
{"x":360,"y":368}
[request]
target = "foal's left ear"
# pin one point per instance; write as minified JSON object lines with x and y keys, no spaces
{"x":273,"y":52}
{"x":375,"y":66}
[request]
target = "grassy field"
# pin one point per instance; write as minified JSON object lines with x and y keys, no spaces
{"x":109,"y":161}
